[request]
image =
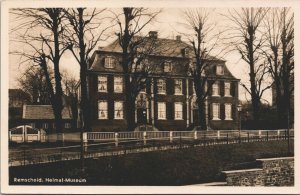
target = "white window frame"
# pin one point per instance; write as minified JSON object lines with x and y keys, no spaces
{"x":176,"y":111}
{"x":102,"y":78}
{"x":167,"y":66}
{"x":161,"y":111}
{"x":67,"y":125}
{"x":109,"y":62}
{"x":175,"y":84}
{"x":228,"y":111}
{"x":163,"y":86}
{"x":216,"y":89}
{"x":102,"y":109}
{"x":120,"y":83}
{"x":220,"y":70}
{"x":216,"y":111}
{"x":227,"y":86}
{"x":121,"y":111}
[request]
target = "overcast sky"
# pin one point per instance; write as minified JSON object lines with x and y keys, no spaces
{"x":168,"y":24}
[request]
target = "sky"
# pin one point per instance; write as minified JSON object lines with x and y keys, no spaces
{"x":168,"y":23}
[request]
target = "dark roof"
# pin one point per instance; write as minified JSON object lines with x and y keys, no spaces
{"x":158,"y":47}
{"x":43,"y":112}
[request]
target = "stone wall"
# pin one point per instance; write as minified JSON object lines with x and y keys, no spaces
{"x":273,"y":172}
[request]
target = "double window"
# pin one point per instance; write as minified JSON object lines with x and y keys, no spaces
{"x":178,"y":86}
{"x":228,"y":108}
{"x":161,"y":86}
{"x":167,"y":66}
{"x":102,"y":83}
{"x":102,"y":110}
{"x":118,"y":84}
{"x":109,"y":62}
{"x":119,"y":110}
{"x":178,"y":111}
{"x":161,"y":107}
{"x":216,"y":111}
{"x":215,"y":89}
{"x":219,"y":70}
{"x":227,"y":89}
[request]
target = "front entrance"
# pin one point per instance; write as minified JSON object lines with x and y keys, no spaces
{"x":141,"y":115}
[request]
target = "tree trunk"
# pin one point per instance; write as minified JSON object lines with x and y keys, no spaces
{"x":84,"y":104}
{"x":198,"y":84}
{"x":129,"y":104}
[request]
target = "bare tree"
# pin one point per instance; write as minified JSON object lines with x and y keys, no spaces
{"x":247,"y":38}
{"x":203,"y":41}
{"x":41,"y":32}
{"x":280,"y":55}
{"x":135,"y":50}
{"x":84,"y":36}
{"x":33,"y":82}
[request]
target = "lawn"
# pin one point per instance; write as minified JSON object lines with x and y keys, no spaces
{"x":172,"y":167}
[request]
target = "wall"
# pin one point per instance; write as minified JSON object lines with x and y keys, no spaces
{"x":273,"y":172}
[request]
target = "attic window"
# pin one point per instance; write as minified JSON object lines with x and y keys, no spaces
{"x":109,"y":62}
{"x":219,"y":70}
{"x":185,"y":52}
{"x":167,"y":66}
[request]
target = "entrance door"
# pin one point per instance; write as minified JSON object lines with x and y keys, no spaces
{"x":142,"y":115}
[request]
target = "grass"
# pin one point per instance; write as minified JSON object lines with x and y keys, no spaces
{"x":173,"y":167}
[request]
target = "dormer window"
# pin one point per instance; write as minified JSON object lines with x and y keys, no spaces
{"x":109,"y":62}
{"x":185,"y":52}
{"x":167,"y":67}
{"x":219,"y":70}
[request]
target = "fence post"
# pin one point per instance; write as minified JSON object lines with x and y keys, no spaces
{"x":248,"y":136}
{"x":145,"y":137}
{"x":195,"y":135}
{"x":227,"y":138}
{"x":259,"y":134}
{"x":116,"y":139}
{"x":278,"y":134}
{"x":85,"y":141}
{"x":218,"y":134}
{"x":171,"y":136}
{"x":267,"y":135}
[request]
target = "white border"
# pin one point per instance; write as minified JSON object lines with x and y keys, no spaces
{"x":135,"y":190}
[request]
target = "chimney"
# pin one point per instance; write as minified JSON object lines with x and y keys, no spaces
{"x":178,"y":38}
{"x":153,"y":34}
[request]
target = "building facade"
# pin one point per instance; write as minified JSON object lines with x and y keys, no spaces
{"x":166,"y":103}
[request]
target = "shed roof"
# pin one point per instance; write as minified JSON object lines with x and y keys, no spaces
{"x":43,"y":112}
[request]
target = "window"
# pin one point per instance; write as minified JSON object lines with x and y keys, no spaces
{"x":167,"y":67}
{"x":161,"y":107}
{"x":178,"y":86}
{"x":109,"y":62}
{"x":186,"y":51}
{"x":67,"y":125}
{"x":215,"y":89}
{"x":228,"y":108}
{"x":219,"y":70}
{"x":32,"y":125}
{"x":161,"y":86}
{"x":227,"y":89}
{"x":216,"y":111}
{"x":102,"y":110}
{"x":102,"y":83}
{"x":178,"y":111}
{"x":45,"y":126}
{"x":118,"y":84}
{"x":118,"y":110}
